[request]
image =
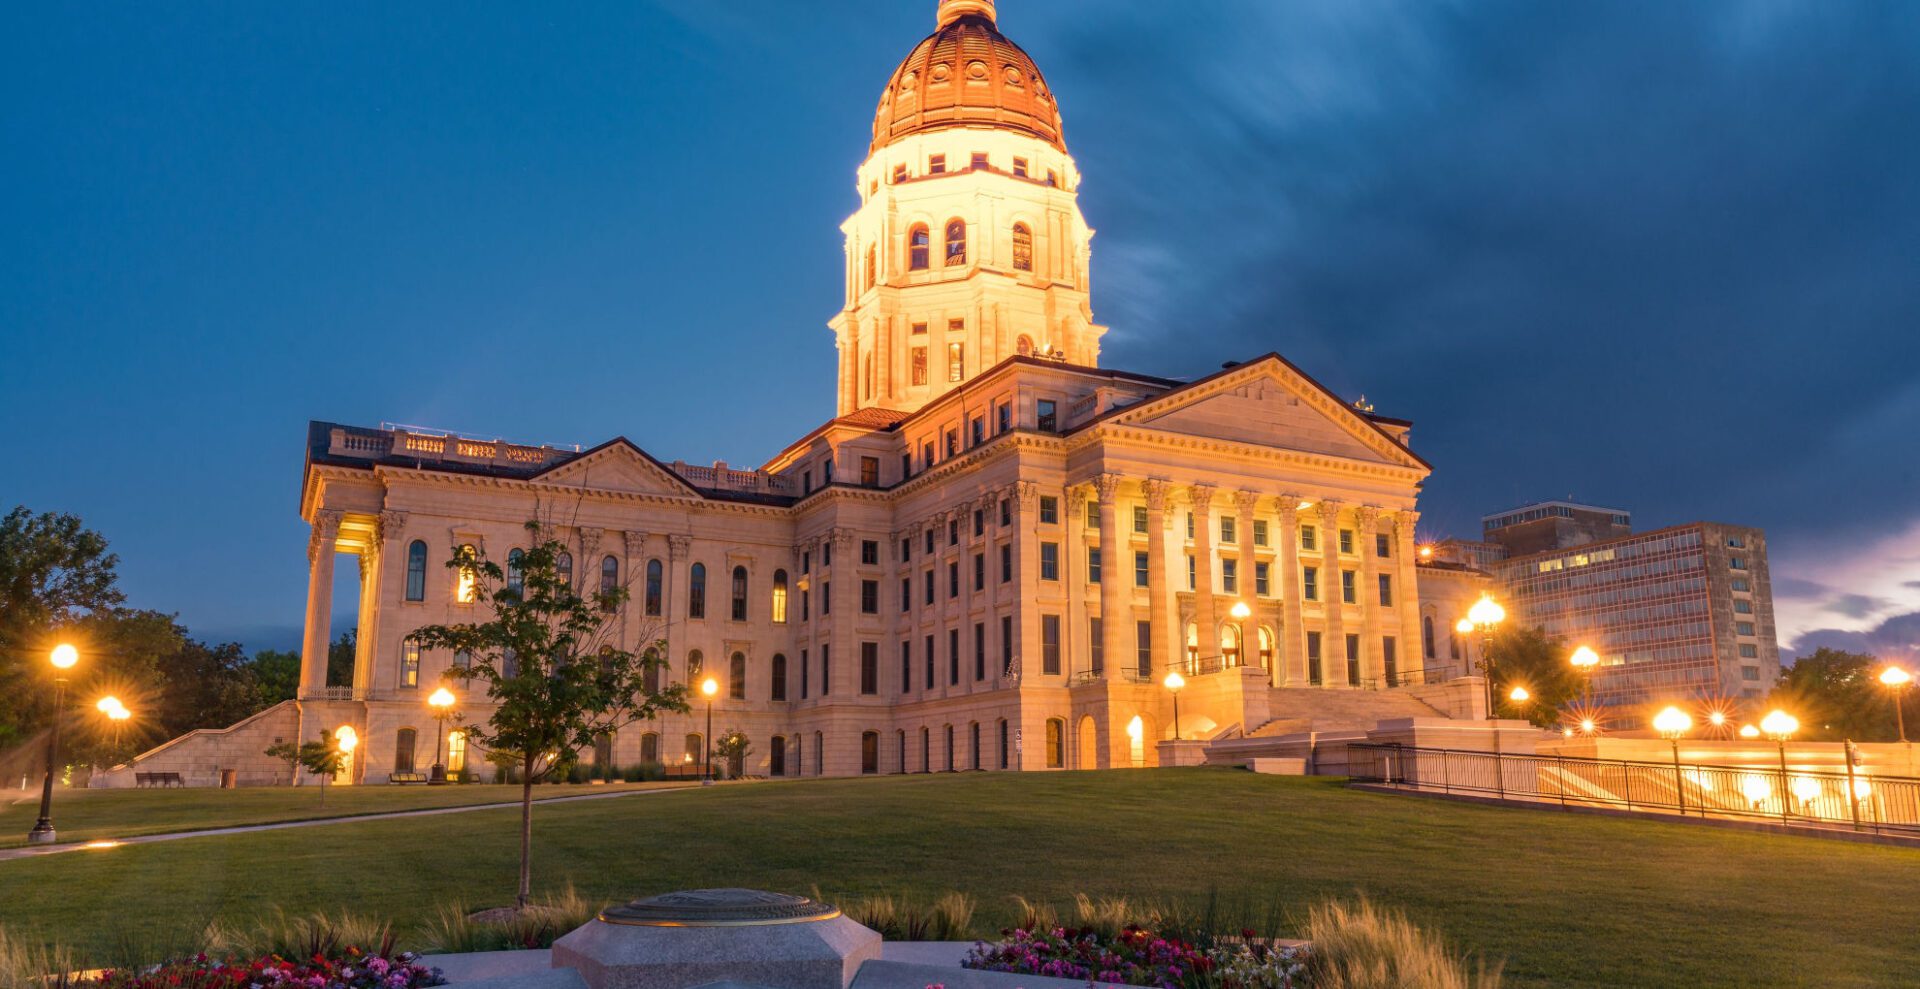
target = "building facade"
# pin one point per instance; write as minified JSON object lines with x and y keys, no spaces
{"x":989,"y":559}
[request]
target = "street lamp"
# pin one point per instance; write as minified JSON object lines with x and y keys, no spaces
{"x":1585,"y":661}
{"x":1896,"y":680}
{"x":1174,"y":682}
{"x":116,"y":712}
{"x":442,"y":703}
{"x":1780,"y":726}
{"x":709,"y":687}
{"x":1240,"y":613}
{"x":63,"y":659}
{"x":1749,"y":732}
{"x":1485,"y":614}
{"x":1671,"y":724}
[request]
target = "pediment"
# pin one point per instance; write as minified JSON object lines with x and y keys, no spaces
{"x":617,"y":465}
{"x":1268,"y":403}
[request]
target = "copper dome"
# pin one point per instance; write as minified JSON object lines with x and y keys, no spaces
{"x":966,"y":72}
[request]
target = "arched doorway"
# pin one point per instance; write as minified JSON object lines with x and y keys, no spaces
{"x":1087,"y":750}
{"x":1137,"y":742}
{"x":777,"y":756}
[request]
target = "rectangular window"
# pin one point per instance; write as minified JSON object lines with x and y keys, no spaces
{"x":1006,"y":511}
{"x":926,"y":455}
{"x":1346,"y":542}
{"x":870,"y":552}
{"x":1313,"y":658}
{"x":906,"y":466}
{"x":806,"y":675}
{"x":979,"y":159}
{"x":1189,"y":527}
{"x":976,"y":431}
{"x":1259,"y":532}
{"x":906,"y":594}
{"x":1192,"y":574}
{"x":920,"y":363}
{"x":1049,"y":510}
{"x":1140,"y":519}
{"x":1348,"y":593}
{"x":826,"y":672}
{"x":826,"y":554}
{"x":953,"y":657}
{"x":1353,"y":660}
{"x":1050,"y":645}
{"x":1020,"y":167}
{"x":1092,"y":515}
{"x":1049,"y":561}
{"x":927,"y":579}
{"x":869,"y":668}
{"x":1143,"y":649}
{"x":936,"y":164}
{"x":1140,"y":570}
{"x":1307,"y":537}
{"x":953,"y":578}
{"x":1229,"y":576}
{"x":1737,"y":562}
{"x":1096,"y":649}
{"x":1749,"y":672}
{"x":806,"y":604}
{"x":1093,"y":565}
{"x":1736,"y":542}
{"x":806,"y":482}
{"x":919,"y":329}
{"x":906,"y":549}
{"x":979,"y":571}
{"x":979,"y":522}
{"x":956,"y":361}
{"x":869,"y":597}
{"x":826,"y":597}
{"x":929,"y":538}
{"x":1006,"y":645}
{"x":979,"y":651}
{"x":929,"y":662}
{"x":1006,"y":562}
{"x":1381,"y":544}
{"x":1262,"y":580}
{"x":1386,"y":590}
{"x":1047,"y":419}
{"x":1002,"y":418}
{"x":1310,"y":583}
{"x":906,"y":665}
{"x":1390,"y":658}
{"x":953,"y":442}
{"x":1749,"y":651}
{"x":1743,"y":628}
{"x":870,"y":471}
{"x":899,"y":173}
{"x":1229,"y":529}
{"x":410,"y":663}
{"x":1742,"y":606}
{"x":1053,"y":178}
{"x":1740,"y":584}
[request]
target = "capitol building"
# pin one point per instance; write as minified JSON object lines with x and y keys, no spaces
{"x":990,"y":558}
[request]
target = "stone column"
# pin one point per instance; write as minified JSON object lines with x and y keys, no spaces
{"x":1116,"y":619}
{"x":1366,"y":521}
{"x":1203,"y":610}
{"x":319,"y":631}
{"x":1245,"y":502}
{"x":389,"y":540}
{"x":1026,"y":552}
{"x":1293,"y":634}
{"x":367,"y":637}
{"x":844,"y":655}
{"x":1407,"y":597}
{"x":964,"y":515}
{"x":633,"y":620}
{"x":1160,"y":599}
{"x":677,"y":546}
{"x":1333,"y":642}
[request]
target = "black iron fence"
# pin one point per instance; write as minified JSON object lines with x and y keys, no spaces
{"x":1818,"y":797}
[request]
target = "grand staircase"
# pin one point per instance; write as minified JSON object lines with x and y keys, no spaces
{"x":1299,"y":709}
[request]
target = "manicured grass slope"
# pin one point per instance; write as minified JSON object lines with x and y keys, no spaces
{"x":84,"y":815}
{"x":1566,"y":900}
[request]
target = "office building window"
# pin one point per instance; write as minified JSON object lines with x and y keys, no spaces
{"x":1143,"y":649}
{"x":1230,"y":576}
{"x":1308,"y":534}
{"x":1006,"y":562}
{"x":869,"y":597}
{"x":1259,"y":532}
{"x":1386,"y":590}
{"x":1140,"y":518}
{"x":1346,"y":542}
{"x":1047,"y":420}
{"x":1382,"y":546}
{"x":1093,"y":565}
{"x":869,"y":668}
{"x":1353,"y":660}
{"x":1096,"y":649}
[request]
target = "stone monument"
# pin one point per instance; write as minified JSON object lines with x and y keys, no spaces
{"x":702,"y":936}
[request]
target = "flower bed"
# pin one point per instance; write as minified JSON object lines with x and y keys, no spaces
{"x":353,"y":969}
{"x":1137,"y":957}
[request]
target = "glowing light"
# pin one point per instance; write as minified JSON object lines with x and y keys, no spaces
{"x":1861,"y":788}
{"x":1806,"y":788}
{"x":106,"y":704}
{"x":1584,"y":659}
{"x":1136,"y":729}
{"x":1779,"y":724}
{"x":346,"y":739}
{"x":441,"y":699}
{"x":1519,"y":695}
{"x":1587,"y":725}
{"x":64,"y":656}
{"x":1894,"y":676}
{"x":709,"y":686}
{"x":1672,"y":723}
{"x":1486,"y":611}
{"x":1174,"y":680}
{"x":1749,"y":731}
{"x":102,"y":843}
{"x":1566,"y":733}
{"x":1240,"y":610}
{"x":1699,"y":779}
{"x":1719,"y":718}
{"x":1463,"y":626}
{"x":1305,"y":505}
{"x":1755,"y":788}
{"x":1426,"y":551}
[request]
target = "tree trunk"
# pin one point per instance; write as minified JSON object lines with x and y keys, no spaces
{"x":526,"y":835}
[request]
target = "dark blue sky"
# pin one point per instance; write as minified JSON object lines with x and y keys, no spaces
{"x":1660,"y":256}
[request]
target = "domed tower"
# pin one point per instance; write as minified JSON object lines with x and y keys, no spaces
{"x":968,"y":246}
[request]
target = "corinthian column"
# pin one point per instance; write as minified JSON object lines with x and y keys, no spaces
{"x":1333,"y":645}
{"x":1293,"y":637}
{"x":1407,"y":597}
{"x":319,"y":631}
{"x":1160,"y":608}
{"x":1115,"y":616}
{"x":1203,"y":615}
{"x":1366,"y":520}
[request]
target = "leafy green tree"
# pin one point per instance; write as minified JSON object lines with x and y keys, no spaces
{"x":1526,"y":656}
{"x":53,"y":571}
{"x":340,"y":658}
{"x":731,"y":749}
{"x":276,"y":674}
{"x":1838,"y":695}
{"x":322,"y":758}
{"x":551,"y":664}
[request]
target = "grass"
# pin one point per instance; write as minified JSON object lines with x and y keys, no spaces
{"x":86,"y":815}
{"x":1561,"y":899}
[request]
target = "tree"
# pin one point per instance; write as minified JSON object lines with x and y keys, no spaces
{"x":53,"y":571}
{"x":287,"y":751}
{"x":1526,"y":656}
{"x":276,"y":674}
{"x":340,"y":658}
{"x":322,"y":758}
{"x":732,"y":748}
{"x":1836,"y":695}
{"x":551,"y":665}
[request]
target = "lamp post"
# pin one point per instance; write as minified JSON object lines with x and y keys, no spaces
{"x":1174,"y":682}
{"x":116,"y":712}
{"x":1780,"y":726}
{"x":1671,"y":724}
{"x":1462,"y":629}
{"x":63,"y":658}
{"x":1240,"y":612}
{"x":1896,"y":680}
{"x":442,"y":703}
{"x":1485,"y":615}
{"x":709,"y":687}
{"x":1584,"y":661}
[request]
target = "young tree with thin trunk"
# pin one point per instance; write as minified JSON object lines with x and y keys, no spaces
{"x":550,"y":659}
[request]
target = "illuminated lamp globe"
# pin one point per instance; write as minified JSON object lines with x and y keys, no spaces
{"x":1749,"y":731}
{"x":1779,"y":724}
{"x":1755,"y":788}
{"x":1584,"y":659}
{"x":1718,"y":718}
{"x":709,"y":686}
{"x":119,"y":713}
{"x":1672,"y":723}
{"x":441,"y":699}
{"x":1463,"y":626}
{"x":105,"y":705}
{"x":1806,"y":787}
{"x":1587,"y":725}
{"x":1240,"y":610}
{"x":1174,"y":680}
{"x":1519,"y":695}
{"x":1894,"y":676}
{"x":1486,"y":611}
{"x":64,"y":656}
{"x":346,"y":738}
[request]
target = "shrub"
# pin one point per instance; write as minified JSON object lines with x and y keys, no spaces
{"x":579,"y":773}
{"x":952,"y":917}
{"x":1365,"y":947}
{"x":652,"y":771}
{"x":537,"y":925}
{"x":302,"y":937}
{"x":25,"y":965}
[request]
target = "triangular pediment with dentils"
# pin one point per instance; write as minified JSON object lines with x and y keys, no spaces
{"x":617,"y":465}
{"x":1270,"y":403}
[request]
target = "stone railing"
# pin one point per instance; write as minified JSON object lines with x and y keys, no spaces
{"x":724,"y":478}
{"x":440,"y":447}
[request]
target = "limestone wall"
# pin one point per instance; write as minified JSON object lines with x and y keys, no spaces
{"x":199,"y":756}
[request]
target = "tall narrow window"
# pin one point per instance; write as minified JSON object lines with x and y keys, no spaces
{"x":697,"y":591}
{"x":653,"y":588}
{"x":516,"y":572}
{"x":737,"y":677}
{"x":869,"y":752}
{"x":410,"y":662}
{"x":564,"y":564}
{"x":403,"y":745}
{"x":696,"y":664}
{"x":873,"y":266}
{"x":919,"y":366}
{"x":956,"y":361}
{"x":917,"y":247}
{"x":1022,"y":247}
{"x":1056,"y":742}
{"x":869,"y":668}
{"x":1426,"y":636}
{"x":1050,"y":645}
{"x":780,"y":597}
{"x":609,"y":574}
{"x":956,"y":242}
{"x":417,"y":570}
{"x":650,"y":661}
{"x":739,"y":611}
{"x":779,"y":676}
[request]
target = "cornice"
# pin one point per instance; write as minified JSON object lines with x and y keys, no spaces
{"x":1146,"y":436}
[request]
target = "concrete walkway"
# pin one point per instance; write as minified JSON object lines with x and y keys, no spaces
{"x":32,"y":851}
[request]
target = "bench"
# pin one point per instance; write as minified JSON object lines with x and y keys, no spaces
{"x":158,"y":779}
{"x":407,"y":778}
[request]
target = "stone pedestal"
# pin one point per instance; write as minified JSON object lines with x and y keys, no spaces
{"x":698,"y":937}
{"x":1182,"y":752}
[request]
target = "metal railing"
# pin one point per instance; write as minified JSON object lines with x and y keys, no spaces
{"x":1417,"y":677}
{"x":1804,"y":797}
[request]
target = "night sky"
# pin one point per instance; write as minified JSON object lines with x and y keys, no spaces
{"x":1658,"y":256}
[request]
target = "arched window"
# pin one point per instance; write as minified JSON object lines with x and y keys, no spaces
{"x":603,"y":752}
{"x":516,"y":572}
{"x":1230,"y":645}
{"x":780,"y":597}
{"x":463,"y":584}
{"x":695,"y":754}
{"x":1426,"y":636}
{"x":1022,"y":247}
{"x":650,"y":747}
{"x":737,"y":677}
{"x":869,"y":752}
{"x":739,"y":594}
{"x":650,"y":677}
{"x":777,"y":756}
{"x":403,"y":741}
{"x":1266,"y":648}
{"x":697,"y":591}
{"x":779,"y":676}
{"x":417,"y":570}
{"x":956,"y":242}
{"x":1193,"y":649}
{"x":409,"y":662}
{"x":1056,"y":742}
{"x":609,"y":574}
{"x":696,"y":664}
{"x":1024,"y":346}
{"x":917,"y":244}
{"x":564,"y":564}
{"x":653,"y":589}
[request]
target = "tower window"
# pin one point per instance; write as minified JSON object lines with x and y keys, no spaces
{"x":918,"y":242}
{"x":919,"y":328}
{"x":873,"y":266}
{"x":956,"y":362}
{"x":936,"y":164}
{"x":1052,"y":178}
{"x":899,"y":173}
{"x":920,"y":365}
{"x":980,"y":160}
{"x":1022,"y":248}
{"x":1020,"y":167}
{"x":956,"y":242}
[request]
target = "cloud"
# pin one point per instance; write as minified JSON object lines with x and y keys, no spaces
{"x":1897,"y":639}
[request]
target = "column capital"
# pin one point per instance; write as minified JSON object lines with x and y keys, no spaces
{"x":634,"y":542}
{"x":677,"y":546}
{"x":1329,"y":510}
{"x":1246,"y":501}
{"x":1107,"y":486}
{"x":1367,"y":514}
{"x":1202,"y":497}
{"x":326,"y":528}
{"x":1159,"y":493}
{"x":1028,"y":492}
{"x":390,"y":526}
{"x":1289,"y":507}
{"x":590,"y":542}
{"x":842,"y":538}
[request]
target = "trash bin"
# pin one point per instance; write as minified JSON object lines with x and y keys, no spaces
{"x":229,"y":778}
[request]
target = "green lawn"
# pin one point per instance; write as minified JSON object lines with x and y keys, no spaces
{"x":86,"y":815}
{"x":1566,"y":900}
